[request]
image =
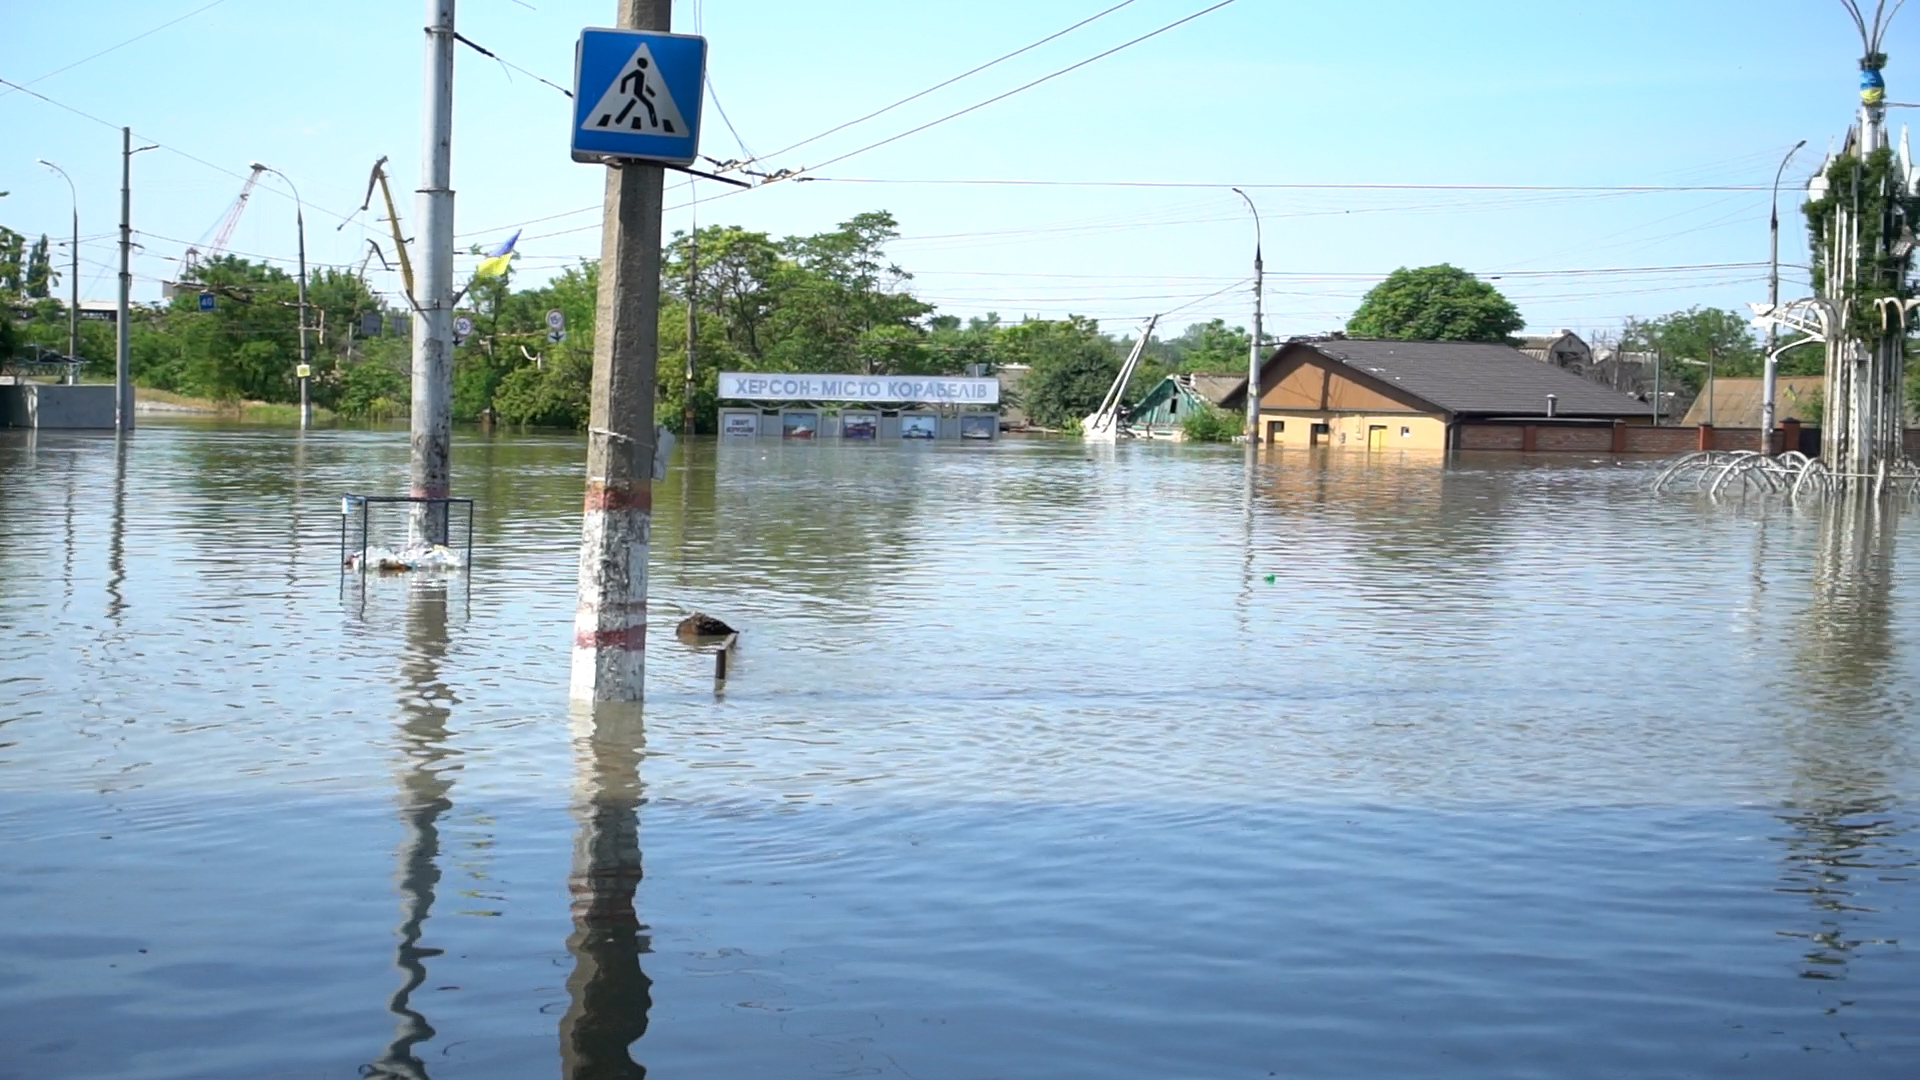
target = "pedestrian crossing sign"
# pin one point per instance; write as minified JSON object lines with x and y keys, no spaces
{"x":636,"y":96}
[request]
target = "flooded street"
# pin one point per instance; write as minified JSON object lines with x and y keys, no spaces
{"x":1037,"y":760}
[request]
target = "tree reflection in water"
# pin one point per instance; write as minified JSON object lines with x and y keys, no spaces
{"x":1841,"y":809}
{"x":608,"y":993}
{"x":426,"y":783}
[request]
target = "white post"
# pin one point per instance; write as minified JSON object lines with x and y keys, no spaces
{"x":429,"y":463}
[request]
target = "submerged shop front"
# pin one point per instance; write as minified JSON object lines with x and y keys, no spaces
{"x":784,"y":405}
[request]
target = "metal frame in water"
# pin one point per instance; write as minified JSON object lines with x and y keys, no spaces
{"x":349,"y":500}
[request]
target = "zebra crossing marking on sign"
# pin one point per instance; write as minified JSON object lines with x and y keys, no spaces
{"x":637,"y":96}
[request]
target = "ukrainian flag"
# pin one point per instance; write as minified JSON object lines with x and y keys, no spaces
{"x":496,"y":261}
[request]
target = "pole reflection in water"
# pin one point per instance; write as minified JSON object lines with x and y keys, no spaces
{"x":117,"y":534}
{"x":1843,"y":836}
{"x":426,"y":785}
{"x":608,"y":993}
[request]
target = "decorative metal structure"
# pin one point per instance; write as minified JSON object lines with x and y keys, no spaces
{"x":1861,"y":208}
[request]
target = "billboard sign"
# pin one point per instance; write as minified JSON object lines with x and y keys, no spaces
{"x":878,"y":389}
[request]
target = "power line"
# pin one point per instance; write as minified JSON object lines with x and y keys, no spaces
{"x":950,"y":82}
{"x":1025,"y":86}
{"x":111,"y":48}
{"x":1211,"y":185}
{"x":504,"y":62}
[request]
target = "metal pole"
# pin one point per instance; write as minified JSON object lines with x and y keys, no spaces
{"x":429,"y":469}
{"x":73,"y":276}
{"x":1657,"y":408}
{"x":693,"y":327}
{"x":610,"y":624}
{"x":306,"y":346}
{"x":1253,"y":347}
{"x":1771,"y":375}
{"x":122,"y":354}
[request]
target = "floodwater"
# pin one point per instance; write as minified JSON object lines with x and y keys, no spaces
{"x":1038,"y":760}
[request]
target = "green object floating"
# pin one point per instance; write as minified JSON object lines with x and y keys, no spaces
{"x":1270,"y":578}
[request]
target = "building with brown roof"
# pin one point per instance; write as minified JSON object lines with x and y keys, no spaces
{"x":1431,"y":395}
{"x":1734,"y":402}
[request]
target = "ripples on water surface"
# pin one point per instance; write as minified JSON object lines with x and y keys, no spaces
{"x":1039,"y":760}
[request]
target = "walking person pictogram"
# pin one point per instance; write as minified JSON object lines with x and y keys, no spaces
{"x":639,"y":90}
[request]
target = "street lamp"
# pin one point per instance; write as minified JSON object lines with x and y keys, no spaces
{"x":306,"y":350}
{"x":1253,"y":349}
{"x":73,"y":274}
{"x":1771,"y":372}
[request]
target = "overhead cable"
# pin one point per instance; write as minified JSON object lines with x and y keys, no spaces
{"x":949,"y":82}
{"x":1024,"y":86}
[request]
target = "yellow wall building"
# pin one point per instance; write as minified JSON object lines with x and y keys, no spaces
{"x":1350,"y":394}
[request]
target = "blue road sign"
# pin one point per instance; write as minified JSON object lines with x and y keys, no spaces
{"x":206,"y":301}
{"x":636,"y":96}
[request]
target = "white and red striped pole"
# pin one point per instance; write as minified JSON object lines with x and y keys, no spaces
{"x":610,"y":621}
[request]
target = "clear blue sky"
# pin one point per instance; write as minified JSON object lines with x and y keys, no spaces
{"x":1630,"y":92}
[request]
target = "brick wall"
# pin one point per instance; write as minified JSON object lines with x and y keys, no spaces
{"x":1662,"y":440}
{"x":1586,"y":440}
{"x":1491,"y":436}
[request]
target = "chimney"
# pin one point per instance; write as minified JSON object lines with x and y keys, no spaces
{"x":1553,"y":405}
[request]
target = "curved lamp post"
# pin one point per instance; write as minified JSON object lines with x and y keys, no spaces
{"x":1773,"y":302}
{"x":73,"y":275}
{"x":306,"y":350}
{"x":1253,"y":349}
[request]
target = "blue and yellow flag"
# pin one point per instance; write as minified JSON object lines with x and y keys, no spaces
{"x":496,"y":261}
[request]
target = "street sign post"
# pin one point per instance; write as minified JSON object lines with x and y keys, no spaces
{"x":206,"y":301}
{"x":637,"y":95}
{"x":462,"y":328}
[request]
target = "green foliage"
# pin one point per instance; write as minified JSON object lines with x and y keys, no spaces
{"x":1208,"y":424}
{"x":1689,"y":340}
{"x":1883,"y":215}
{"x":1212,"y":347}
{"x":1073,"y":366}
{"x":1435,"y":303}
{"x":39,"y":275}
{"x":376,"y":385}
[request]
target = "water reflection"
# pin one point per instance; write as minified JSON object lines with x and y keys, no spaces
{"x":608,"y":993}
{"x":1846,"y":737}
{"x":117,"y":536}
{"x":425,"y":789}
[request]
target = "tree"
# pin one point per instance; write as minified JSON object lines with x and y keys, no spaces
{"x":1212,"y":347}
{"x":1073,"y":367}
{"x":1691,"y":340}
{"x":1435,"y":303}
{"x":40,"y":274}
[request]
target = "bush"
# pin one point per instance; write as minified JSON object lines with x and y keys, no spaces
{"x":1208,"y":424}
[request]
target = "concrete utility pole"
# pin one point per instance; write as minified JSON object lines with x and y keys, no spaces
{"x":123,"y":356}
{"x":306,"y":349}
{"x":429,"y":466}
{"x":1253,"y":348}
{"x":1771,"y":375}
{"x":610,"y":624}
{"x":73,"y":274}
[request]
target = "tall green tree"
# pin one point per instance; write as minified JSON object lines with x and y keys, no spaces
{"x":1435,"y":303}
{"x":40,"y":274}
{"x":1693,"y":341}
{"x":1073,"y":366}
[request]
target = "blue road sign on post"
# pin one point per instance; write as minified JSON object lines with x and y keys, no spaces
{"x":636,"y":96}
{"x":206,"y":301}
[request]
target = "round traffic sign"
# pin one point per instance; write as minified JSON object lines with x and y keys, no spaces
{"x":462,"y":325}
{"x":555,"y":320}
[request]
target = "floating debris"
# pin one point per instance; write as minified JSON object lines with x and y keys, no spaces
{"x":702,"y":625}
{"x":412,"y":557}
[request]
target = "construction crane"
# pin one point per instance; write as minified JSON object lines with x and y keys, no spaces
{"x":223,"y":232}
